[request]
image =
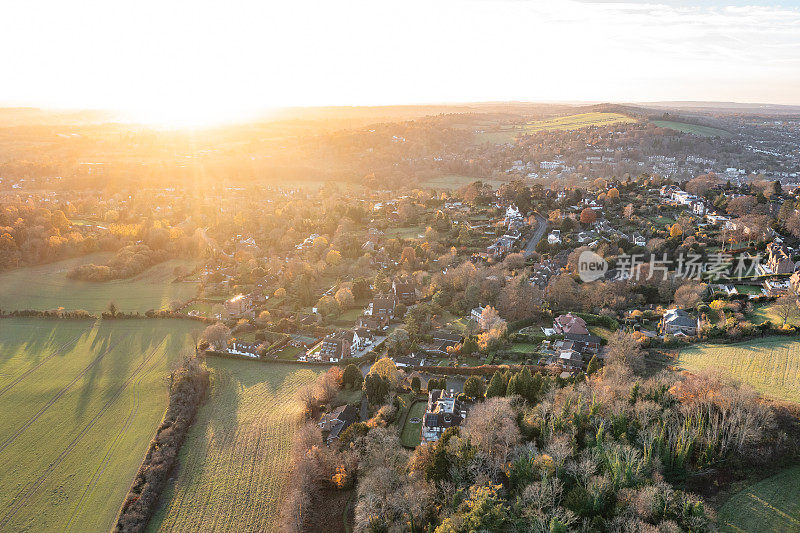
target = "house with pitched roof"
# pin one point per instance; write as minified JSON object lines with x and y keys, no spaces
{"x":443,"y":412}
{"x":334,"y":423}
{"x":382,"y":307}
{"x":679,"y":322}
{"x":405,"y":292}
{"x":570,"y":324}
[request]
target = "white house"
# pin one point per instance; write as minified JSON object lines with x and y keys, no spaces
{"x":554,"y":237}
{"x":698,"y":207}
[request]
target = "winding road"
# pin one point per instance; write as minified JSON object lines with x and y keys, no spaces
{"x":538,"y":233}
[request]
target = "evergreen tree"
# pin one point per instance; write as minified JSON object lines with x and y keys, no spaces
{"x":497,"y":386}
{"x":474,"y":387}
{"x":352,"y":377}
{"x":593,"y":366}
{"x":376,"y":388}
{"x":514,"y":386}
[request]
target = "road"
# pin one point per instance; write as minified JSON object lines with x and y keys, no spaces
{"x":538,"y":233}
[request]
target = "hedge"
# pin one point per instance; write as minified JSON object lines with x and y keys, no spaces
{"x":187,"y":391}
{"x":599,"y":320}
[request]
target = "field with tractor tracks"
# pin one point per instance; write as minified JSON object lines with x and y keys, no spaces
{"x":81,"y":400}
{"x":234,"y":464}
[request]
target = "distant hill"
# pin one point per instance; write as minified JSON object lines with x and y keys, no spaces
{"x":32,"y":116}
{"x":725,"y":107}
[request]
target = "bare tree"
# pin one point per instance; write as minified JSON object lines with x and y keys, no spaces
{"x":786,"y":308}
{"x":217,"y":336}
{"x":688,"y":295}
{"x":492,"y":427}
{"x":624,"y":351}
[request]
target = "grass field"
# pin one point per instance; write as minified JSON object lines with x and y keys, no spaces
{"x":771,"y":366}
{"x":570,"y":122}
{"x":351,"y":315}
{"x":233,"y":466}
{"x":80,"y":402}
{"x":454,"y":181}
{"x":47,"y":287}
{"x":412,"y":232}
{"x":702,"y":131}
{"x":600,"y":331}
{"x":770,"y":505}
{"x":661,"y":221}
{"x":411,"y":433}
{"x":524,"y":347}
{"x":762,"y":313}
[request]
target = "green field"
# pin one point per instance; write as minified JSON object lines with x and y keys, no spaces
{"x":412,"y":232}
{"x":454,"y":181}
{"x":762,"y":313}
{"x":771,"y":366}
{"x":770,"y":505}
{"x":600,"y":331}
{"x":524,"y":347}
{"x":47,"y":287}
{"x":80,"y":402}
{"x":412,"y":431}
{"x":351,"y":315}
{"x":661,"y":221}
{"x":702,"y":131}
{"x":570,"y":122}
{"x":233,"y":466}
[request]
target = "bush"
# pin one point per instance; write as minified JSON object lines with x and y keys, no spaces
{"x":599,"y":320}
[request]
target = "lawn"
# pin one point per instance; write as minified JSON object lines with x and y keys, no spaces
{"x":749,"y":289}
{"x":524,"y":347}
{"x":411,"y":433}
{"x":80,"y":402}
{"x":412,"y":232}
{"x":600,"y":331}
{"x":770,"y":505}
{"x":458,"y":324}
{"x":290,"y":353}
{"x":47,"y":287}
{"x":351,"y":397}
{"x":233,"y":467}
{"x":662,"y":221}
{"x":762,"y":313}
{"x":771,"y":365}
{"x":351,"y":315}
{"x":702,"y":131}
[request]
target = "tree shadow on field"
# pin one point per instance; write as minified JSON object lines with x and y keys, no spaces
{"x":37,"y":339}
{"x":105,"y":342}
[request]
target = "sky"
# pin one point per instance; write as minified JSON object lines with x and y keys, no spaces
{"x":206,"y":61}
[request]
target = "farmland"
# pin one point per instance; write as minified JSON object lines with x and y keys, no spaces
{"x":769,"y":505}
{"x":80,"y":401}
{"x":233,"y":466}
{"x":47,"y":287}
{"x":771,"y":366}
{"x":702,"y":131}
{"x":571,"y":122}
